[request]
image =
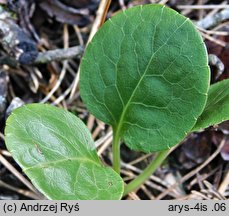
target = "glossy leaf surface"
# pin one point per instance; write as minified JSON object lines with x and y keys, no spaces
{"x":217,"y":107}
{"x":56,"y":151}
{"x":145,"y":73}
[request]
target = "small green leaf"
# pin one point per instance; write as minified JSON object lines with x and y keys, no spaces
{"x":146,"y":74}
{"x":56,"y":151}
{"x":217,"y":107}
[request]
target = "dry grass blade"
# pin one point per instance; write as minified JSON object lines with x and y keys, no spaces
{"x":20,"y":191}
{"x":201,"y":7}
{"x":2,"y":136}
{"x":100,"y":18}
{"x":225,"y":184}
{"x":212,"y":190}
{"x":105,"y":146}
{"x":101,"y":140}
{"x":201,"y":195}
{"x":141,"y":159}
{"x":64,"y":69}
{"x":211,"y":32}
{"x":216,"y":41}
{"x":133,"y":196}
{"x":58,"y":83}
{"x":17,"y":174}
{"x":137,"y":170}
{"x":163,"y":2}
{"x":35,"y":194}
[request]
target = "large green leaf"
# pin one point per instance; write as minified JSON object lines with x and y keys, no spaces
{"x":56,"y":151}
{"x":146,"y":74}
{"x":217,"y":107}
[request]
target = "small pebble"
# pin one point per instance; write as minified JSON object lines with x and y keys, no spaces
{"x":15,"y":103}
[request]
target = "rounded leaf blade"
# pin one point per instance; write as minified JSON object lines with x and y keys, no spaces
{"x":145,"y":73}
{"x":56,"y":151}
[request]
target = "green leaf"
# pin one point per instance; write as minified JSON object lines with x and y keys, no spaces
{"x":146,"y":74}
{"x":56,"y":151}
{"x":217,"y":107}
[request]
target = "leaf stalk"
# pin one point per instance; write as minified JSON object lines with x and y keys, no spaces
{"x":116,"y":152}
{"x":138,"y":181}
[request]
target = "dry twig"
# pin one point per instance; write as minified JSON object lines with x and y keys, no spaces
{"x":211,"y":21}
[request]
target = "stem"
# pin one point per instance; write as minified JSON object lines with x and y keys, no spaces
{"x":138,"y":181}
{"x":116,"y":153}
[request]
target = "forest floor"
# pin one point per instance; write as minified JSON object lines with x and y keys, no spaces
{"x":198,"y":168}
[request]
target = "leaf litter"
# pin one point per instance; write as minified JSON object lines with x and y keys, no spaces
{"x":43,"y":22}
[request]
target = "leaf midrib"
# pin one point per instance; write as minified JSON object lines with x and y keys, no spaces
{"x":43,"y":165}
{"x":117,"y":129}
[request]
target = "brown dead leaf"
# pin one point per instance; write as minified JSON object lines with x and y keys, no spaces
{"x":67,"y":13}
{"x":81,"y":3}
{"x":194,"y":150}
